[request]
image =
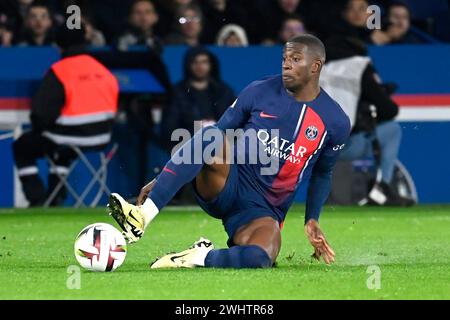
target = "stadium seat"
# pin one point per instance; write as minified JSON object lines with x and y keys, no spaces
{"x":98,"y":175}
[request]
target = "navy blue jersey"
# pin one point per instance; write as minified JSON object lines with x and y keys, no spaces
{"x":310,"y":136}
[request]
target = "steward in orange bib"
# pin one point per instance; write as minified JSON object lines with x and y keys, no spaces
{"x":74,"y":105}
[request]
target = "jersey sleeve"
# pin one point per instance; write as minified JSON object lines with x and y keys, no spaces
{"x":239,"y":112}
{"x":320,"y":182}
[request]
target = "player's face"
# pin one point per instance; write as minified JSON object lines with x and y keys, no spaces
{"x":296,"y":67}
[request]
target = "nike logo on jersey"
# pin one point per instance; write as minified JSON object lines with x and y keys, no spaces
{"x":265,"y":115}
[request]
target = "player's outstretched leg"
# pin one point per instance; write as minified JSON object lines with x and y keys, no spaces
{"x":257,"y":246}
{"x":183,"y":167}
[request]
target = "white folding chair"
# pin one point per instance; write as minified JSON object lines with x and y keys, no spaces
{"x":99,"y":176}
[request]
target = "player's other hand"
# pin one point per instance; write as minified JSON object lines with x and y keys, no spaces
{"x":317,"y":239}
{"x":144,"y":192}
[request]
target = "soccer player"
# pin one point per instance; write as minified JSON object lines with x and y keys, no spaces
{"x":312,"y":129}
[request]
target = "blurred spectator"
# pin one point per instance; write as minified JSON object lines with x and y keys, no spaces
{"x":142,"y":20}
{"x":94,"y":37}
{"x":188,"y":27}
{"x":6,"y":37}
{"x":16,"y":11}
{"x":201,"y":95}
{"x":291,"y":27}
{"x":270,"y":16}
{"x":355,"y":17}
{"x":397,"y":30}
{"x":38,"y":27}
{"x":6,"y":34}
{"x":218,"y":13}
{"x":232,"y":35}
{"x":167,"y":11}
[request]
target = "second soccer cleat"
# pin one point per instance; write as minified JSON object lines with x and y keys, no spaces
{"x":190,"y":258}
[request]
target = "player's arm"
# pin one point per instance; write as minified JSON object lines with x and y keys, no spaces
{"x":239,"y":112}
{"x":318,"y":191}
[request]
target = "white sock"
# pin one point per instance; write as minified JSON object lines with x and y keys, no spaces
{"x":149,"y":210}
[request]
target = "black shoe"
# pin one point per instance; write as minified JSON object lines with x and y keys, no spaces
{"x":393,"y":198}
{"x":34,"y":190}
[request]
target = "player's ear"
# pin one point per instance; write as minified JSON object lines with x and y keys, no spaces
{"x":316,"y":66}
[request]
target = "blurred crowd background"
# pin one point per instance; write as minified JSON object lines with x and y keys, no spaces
{"x":155,"y":23}
{"x":178,"y":47}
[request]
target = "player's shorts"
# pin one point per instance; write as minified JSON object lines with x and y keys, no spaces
{"x":237,"y":204}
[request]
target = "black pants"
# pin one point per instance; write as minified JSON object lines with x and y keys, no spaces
{"x":27,"y":149}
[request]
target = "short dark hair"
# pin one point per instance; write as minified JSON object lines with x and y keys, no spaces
{"x":313,"y":44}
{"x":66,"y":38}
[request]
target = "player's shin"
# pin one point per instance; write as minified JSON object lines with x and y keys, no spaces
{"x":185,"y":164}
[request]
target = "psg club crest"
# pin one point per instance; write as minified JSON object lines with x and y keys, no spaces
{"x":311,"y":133}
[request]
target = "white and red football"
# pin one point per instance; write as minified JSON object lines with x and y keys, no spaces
{"x":100,"y":247}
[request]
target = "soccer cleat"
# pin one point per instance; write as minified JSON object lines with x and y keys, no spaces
{"x":190,"y":258}
{"x":128,"y":216}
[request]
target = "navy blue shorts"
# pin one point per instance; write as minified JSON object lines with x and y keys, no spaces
{"x":237,"y":204}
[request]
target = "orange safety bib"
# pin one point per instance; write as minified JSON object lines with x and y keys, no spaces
{"x":91,"y":90}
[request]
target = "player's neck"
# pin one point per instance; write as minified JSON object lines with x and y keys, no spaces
{"x":308,"y":93}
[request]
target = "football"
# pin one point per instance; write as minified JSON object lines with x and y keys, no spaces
{"x":100,"y":247}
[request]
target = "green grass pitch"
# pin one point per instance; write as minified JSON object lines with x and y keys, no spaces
{"x":410,"y":246}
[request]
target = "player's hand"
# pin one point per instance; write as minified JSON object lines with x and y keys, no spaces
{"x":144,"y":192}
{"x":317,"y":239}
